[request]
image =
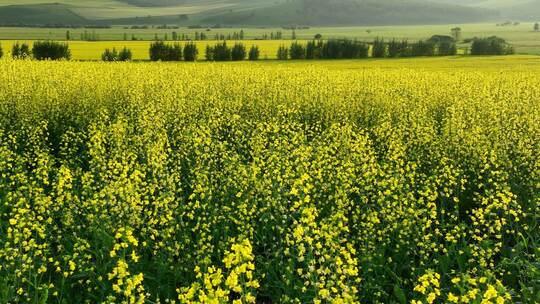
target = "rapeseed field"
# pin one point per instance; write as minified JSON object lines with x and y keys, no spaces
{"x":269,"y":183}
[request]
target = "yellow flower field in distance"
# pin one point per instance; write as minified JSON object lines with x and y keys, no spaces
{"x":92,"y":50}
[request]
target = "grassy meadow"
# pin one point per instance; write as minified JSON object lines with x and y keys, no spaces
{"x":355,"y":181}
{"x":522,"y":36}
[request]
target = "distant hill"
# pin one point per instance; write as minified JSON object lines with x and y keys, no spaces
{"x":243,"y":12}
{"x":525,"y":10}
{"x":354,"y":12}
{"x":40,"y":14}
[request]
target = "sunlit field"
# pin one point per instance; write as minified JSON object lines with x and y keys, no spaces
{"x":522,"y":36}
{"x":85,"y":50}
{"x":374,"y":181}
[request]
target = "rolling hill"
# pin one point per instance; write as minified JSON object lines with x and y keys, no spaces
{"x":526,"y":10}
{"x":241,"y":12}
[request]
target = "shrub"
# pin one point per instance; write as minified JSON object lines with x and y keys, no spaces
{"x":220,"y":52}
{"x":283,"y":53}
{"x":446,"y":48}
{"x":113,"y":55}
{"x":109,"y":55}
{"x":20,"y":51}
{"x":344,"y":49}
{"x":51,"y":50}
{"x":238,"y":52}
{"x":379,"y":48}
{"x":160,"y":51}
{"x":1,"y":51}
{"x":191,"y":52}
{"x":423,"y":48}
{"x":209,"y":54}
{"x":314,"y":49}
{"x":436,"y":39}
{"x":125,"y":54}
{"x":398,"y":49}
{"x":297,"y":51}
{"x":491,"y":46}
{"x":254,"y":53}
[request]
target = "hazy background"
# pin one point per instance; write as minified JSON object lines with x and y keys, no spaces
{"x":266,"y":13}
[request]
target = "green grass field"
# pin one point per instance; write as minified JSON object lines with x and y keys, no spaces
{"x":525,"y":40}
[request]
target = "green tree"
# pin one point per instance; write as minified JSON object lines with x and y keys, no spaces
{"x":125,"y":54}
{"x":283,"y":53}
{"x":423,"y":48}
{"x":160,"y":51}
{"x":238,"y":52}
{"x":109,"y":55}
{"x":536,"y":27}
{"x":446,"y":48}
{"x":491,"y":46}
{"x":209,"y":53}
{"x":191,"y":52}
{"x":221,"y":52}
{"x":379,"y":49}
{"x":314,"y":49}
{"x":51,"y":50}
{"x":398,"y":48}
{"x":297,"y":51}
{"x":254,"y":53}
{"x":20,"y":51}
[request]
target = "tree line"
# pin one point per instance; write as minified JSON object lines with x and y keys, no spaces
{"x":223,"y":52}
{"x":435,"y":46}
{"x":491,"y":46}
{"x":41,"y":50}
{"x":315,"y":49}
{"x":161,"y":51}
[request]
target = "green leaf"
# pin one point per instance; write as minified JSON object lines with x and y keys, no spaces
{"x":400,"y":295}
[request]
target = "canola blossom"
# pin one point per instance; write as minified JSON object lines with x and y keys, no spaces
{"x":268,"y":183}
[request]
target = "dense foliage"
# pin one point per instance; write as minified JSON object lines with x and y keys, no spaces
{"x":218,"y":52}
{"x":238,"y":52}
{"x":254,"y":53}
{"x":379,"y":49}
{"x":124,"y":54}
{"x":491,"y":46}
{"x":191,"y":52}
{"x":282,"y":53}
{"x":133,"y":183}
{"x":20,"y":51}
{"x":51,"y":50}
{"x":222,"y":52}
{"x":330,"y":49}
{"x":297,"y":50}
{"x":161,"y":51}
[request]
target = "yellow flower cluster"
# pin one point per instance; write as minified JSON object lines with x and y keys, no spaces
{"x":428,"y":286}
{"x":129,"y":288}
{"x":236,"y":283}
{"x":483,"y":290}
